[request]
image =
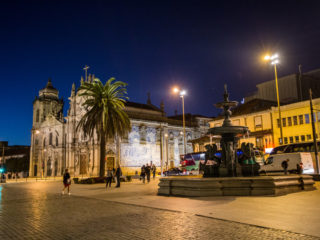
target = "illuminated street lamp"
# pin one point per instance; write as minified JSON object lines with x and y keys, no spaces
{"x":182,"y":93}
{"x":274,"y":60}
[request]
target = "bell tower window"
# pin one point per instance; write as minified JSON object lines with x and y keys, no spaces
{"x":37,"y":115}
{"x":50,"y":139}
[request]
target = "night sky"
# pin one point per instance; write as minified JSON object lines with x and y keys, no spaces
{"x":151,"y":45}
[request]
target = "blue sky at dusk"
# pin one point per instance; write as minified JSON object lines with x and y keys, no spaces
{"x":151,"y":45}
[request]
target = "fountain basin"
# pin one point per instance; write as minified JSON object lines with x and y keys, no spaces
{"x":226,"y":104}
{"x":236,"y":130}
{"x":235,"y":186}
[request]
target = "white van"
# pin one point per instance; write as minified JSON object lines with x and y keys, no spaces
{"x":274,"y":162}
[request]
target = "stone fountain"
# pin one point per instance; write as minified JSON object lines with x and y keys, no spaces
{"x":229,"y":139}
{"x":229,"y":175}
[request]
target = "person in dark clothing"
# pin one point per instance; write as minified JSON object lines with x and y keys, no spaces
{"x":118,"y":175}
{"x":301,"y":167}
{"x":154,"y":169}
{"x":109,"y":177}
{"x":284,"y":165}
{"x":66,"y":181}
{"x":143,"y":174}
{"x":148,"y":171}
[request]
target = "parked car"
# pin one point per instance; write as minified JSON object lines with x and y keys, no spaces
{"x":173,"y":172}
{"x":274,"y":162}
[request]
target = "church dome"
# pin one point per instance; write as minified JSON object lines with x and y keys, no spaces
{"x":49,"y":91}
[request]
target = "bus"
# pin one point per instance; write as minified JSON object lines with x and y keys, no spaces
{"x":190,"y":162}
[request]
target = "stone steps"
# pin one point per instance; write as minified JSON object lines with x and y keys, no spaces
{"x":235,"y":186}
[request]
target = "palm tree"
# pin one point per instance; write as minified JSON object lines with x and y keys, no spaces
{"x":105,"y":113}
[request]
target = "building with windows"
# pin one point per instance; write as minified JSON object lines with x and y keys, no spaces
{"x":257,"y":116}
{"x":15,"y":158}
{"x":296,"y":122}
{"x":57,"y":144}
{"x":262,"y":119}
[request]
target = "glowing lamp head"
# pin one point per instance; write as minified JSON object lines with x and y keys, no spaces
{"x":274,"y":56}
{"x":267,"y":58}
{"x":175,"y":90}
{"x":1,"y":170}
{"x":37,"y":131}
{"x":183,"y":92}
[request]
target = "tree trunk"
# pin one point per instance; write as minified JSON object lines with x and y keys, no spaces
{"x":102,"y":155}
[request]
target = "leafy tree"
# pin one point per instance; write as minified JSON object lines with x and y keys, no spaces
{"x":105,"y":113}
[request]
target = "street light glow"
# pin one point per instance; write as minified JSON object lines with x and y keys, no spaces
{"x":183,"y":92}
{"x":37,"y":131}
{"x":274,"y":59}
{"x":175,"y":90}
{"x":275,"y":56}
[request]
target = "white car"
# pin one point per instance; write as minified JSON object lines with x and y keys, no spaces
{"x":274,"y":162}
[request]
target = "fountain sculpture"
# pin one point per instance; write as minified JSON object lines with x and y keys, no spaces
{"x":230,"y":174}
{"x":229,"y":165}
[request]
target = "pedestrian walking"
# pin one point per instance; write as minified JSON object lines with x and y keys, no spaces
{"x":109,"y":177}
{"x":66,"y":181}
{"x":284,"y":165}
{"x":301,"y":167}
{"x":154,"y":170}
{"x":148,"y":171}
{"x":143,"y":174}
{"x":118,"y":175}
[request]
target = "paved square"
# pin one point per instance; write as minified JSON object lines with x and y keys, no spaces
{"x":39,"y":211}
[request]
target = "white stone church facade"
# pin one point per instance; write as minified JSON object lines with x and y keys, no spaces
{"x":56,"y":144}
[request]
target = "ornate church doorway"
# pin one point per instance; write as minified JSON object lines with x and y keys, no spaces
{"x":35,"y":170}
{"x":49,"y":168}
{"x":110,"y":159}
{"x":83,"y":164}
{"x":55,"y":167}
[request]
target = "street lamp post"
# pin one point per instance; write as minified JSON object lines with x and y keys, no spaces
{"x":274,"y":59}
{"x":182,"y":93}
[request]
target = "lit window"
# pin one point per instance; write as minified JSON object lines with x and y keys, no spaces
{"x":280,"y":142}
{"x":307,"y":119}
{"x":258,"y":121}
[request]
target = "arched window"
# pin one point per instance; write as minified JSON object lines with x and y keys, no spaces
{"x":57,"y":141}
{"x":50,"y":139}
{"x":37,"y":115}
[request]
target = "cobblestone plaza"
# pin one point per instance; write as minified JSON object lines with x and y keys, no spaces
{"x":39,"y":211}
